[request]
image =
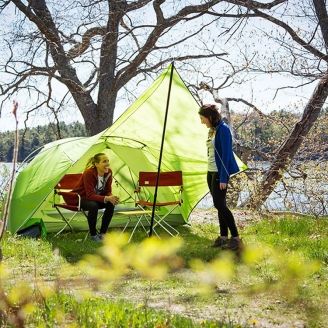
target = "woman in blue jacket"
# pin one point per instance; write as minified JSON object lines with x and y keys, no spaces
{"x":221,"y":164}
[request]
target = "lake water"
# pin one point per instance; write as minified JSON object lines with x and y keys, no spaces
{"x":309,"y":196}
{"x":296,"y":199}
{"x":5,"y":171}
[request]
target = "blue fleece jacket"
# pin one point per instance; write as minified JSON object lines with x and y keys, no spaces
{"x":224,"y":158}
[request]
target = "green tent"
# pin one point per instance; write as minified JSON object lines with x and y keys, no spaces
{"x":132,"y":144}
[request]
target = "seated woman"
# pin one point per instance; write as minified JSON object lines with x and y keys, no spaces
{"x":95,"y":189}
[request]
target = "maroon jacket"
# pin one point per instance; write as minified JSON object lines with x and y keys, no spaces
{"x":88,"y":182}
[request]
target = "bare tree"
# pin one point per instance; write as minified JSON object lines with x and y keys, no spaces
{"x":299,"y":42}
{"x":309,"y":59}
{"x":94,"y":48}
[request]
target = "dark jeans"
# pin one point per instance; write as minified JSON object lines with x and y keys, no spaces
{"x":92,"y":207}
{"x":226,"y":219}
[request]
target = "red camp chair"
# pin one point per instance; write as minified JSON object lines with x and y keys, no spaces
{"x":172,"y":181}
{"x":69,"y":200}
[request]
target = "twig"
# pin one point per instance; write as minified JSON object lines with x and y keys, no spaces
{"x":3,"y":222}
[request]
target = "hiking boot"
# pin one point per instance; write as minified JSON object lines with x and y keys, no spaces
{"x":236,"y":245}
{"x":101,"y":236}
{"x":96,"y":238}
{"x":221,"y":243}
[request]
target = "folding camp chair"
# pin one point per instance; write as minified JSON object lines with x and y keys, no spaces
{"x":172,"y":183}
{"x":69,"y":200}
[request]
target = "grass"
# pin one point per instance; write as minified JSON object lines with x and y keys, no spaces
{"x":305,"y":235}
{"x":98,"y":312}
{"x":137,"y":302}
{"x":309,"y":238}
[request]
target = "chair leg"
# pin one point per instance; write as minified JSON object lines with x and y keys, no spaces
{"x":67,"y":222}
{"x":86,"y":236}
{"x":147,"y":231}
{"x":126,"y":224}
{"x":135,"y":227}
{"x":161,"y":221}
{"x":162,"y":226}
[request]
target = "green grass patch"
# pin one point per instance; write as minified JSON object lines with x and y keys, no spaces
{"x":308,"y":236}
{"x":130,"y":302}
{"x":96,"y":312}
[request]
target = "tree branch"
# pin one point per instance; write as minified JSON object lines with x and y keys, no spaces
{"x":321,"y":12}
{"x":81,"y":47}
{"x":38,"y":12}
{"x":257,"y":5}
{"x":293,"y":35}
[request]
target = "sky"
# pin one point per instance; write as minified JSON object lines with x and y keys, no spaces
{"x":260,"y":91}
{"x":257,"y":89}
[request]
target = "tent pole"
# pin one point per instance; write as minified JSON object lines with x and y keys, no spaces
{"x":161,"y":151}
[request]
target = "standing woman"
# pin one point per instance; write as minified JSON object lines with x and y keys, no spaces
{"x":221,"y":164}
{"x":95,"y":189}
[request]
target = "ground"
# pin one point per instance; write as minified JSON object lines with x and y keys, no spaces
{"x":199,"y":216}
{"x":229,"y":304}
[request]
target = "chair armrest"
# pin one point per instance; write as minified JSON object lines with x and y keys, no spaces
{"x":71,"y":198}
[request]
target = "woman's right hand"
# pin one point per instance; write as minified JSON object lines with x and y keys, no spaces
{"x":113,"y":199}
{"x":223,"y":185}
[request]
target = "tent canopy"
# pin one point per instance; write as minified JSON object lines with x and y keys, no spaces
{"x":132,"y":144}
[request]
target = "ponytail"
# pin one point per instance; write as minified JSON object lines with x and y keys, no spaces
{"x":93,"y":160}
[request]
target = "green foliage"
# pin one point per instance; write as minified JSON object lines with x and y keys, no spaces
{"x":296,"y":241}
{"x":97,"y":312}
{"x":33,"y":138}
{"x":285,"y":259}
{"x":46,"y":306}
{"x":25,"y":254}
{"x":306,"y":235}
{"x":267,"y":133}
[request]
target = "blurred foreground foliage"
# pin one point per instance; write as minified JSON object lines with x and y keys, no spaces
{"x":79,"y":295}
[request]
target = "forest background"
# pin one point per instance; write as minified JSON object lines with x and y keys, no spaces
{"x":258,"y":133}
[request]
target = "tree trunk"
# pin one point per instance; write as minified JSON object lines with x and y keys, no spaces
{"x":89,"y":114}
{"x":101,"y":118}
{"x":289,"y":148}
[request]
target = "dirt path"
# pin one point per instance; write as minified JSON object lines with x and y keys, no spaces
{"x":199,"y":216}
